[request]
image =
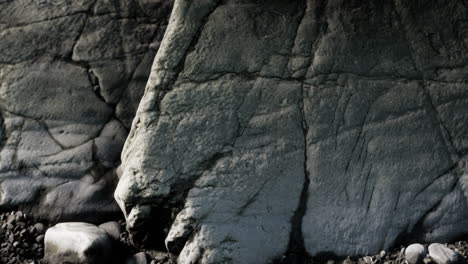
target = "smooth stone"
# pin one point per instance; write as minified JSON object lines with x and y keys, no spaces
{"x":138,"y":258}
{"x":40,"y":238}
{"x":415,"y":253}
{"x":39,"y":228}
{"x":11,"y":219}
{"x":112,"y":228}
{"x":79,"y":243}
{"x":441,"y":254}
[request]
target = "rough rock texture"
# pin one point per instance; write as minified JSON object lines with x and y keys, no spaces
{"x":71,"y":76}
{"x":315,"y":126}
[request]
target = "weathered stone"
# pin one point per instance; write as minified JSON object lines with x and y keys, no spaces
{"x":40,"y":238}
{"x":31,"y":41}
{"x":324,"y":126}
{"x":71,"y":76}
{"x":77,"y":243}
{"x":23,"y":12}
{"x":132,"y":35}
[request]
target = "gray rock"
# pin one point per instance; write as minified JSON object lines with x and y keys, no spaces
{"x":441,"y":254}
{"x":428,"y":260}
{"x":39,"y":227}
{"x":72,"y":74}
{"x":415,"y":253}
{"x":112,"y":228}
{"x":40,"y":238}
{"x":140,"y":258}
{"x":11,"y":219}
{"x":301,"y":121}
{"x":77,"y":243}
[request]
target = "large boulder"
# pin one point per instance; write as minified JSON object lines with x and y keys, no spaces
{"x":302,"y":126}
{"x":71,"y":76}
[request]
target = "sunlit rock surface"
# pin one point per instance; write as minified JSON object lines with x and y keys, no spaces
{"x":71,"y":76}
{"x":313,"y":126}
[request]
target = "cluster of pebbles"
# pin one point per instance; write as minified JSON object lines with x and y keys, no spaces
{"x":22,"y":242}
{"x":21,"y":239}
{"x":455,"y":253}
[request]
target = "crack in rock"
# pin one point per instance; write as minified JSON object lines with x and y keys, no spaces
{"x":334,"y":146}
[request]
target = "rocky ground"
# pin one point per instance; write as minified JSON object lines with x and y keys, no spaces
{"x":21,"y":239}
{"x":22,"y":242}
{"x":395,"y":256}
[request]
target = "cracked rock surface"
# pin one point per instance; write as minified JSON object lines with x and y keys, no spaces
{"x":71,"y":76}
{"x":303,"y":126}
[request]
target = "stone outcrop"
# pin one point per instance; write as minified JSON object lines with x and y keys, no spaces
{"x":305,"y":127}
{"x":71,"y":76}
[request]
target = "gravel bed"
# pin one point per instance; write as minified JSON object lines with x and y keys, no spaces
{"x":21,"y":239}
{"x":22,"y":242}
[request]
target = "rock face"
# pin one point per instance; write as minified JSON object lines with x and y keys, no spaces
{"x":314,"y":126}
{"x":71,"y":76}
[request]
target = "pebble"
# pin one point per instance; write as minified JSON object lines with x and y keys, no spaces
{"x":11,"y":219}
{"x":40,"y":238}
{"x":415,"y":253}
{"x":39,"y":228}
{"x":441,"y":254}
